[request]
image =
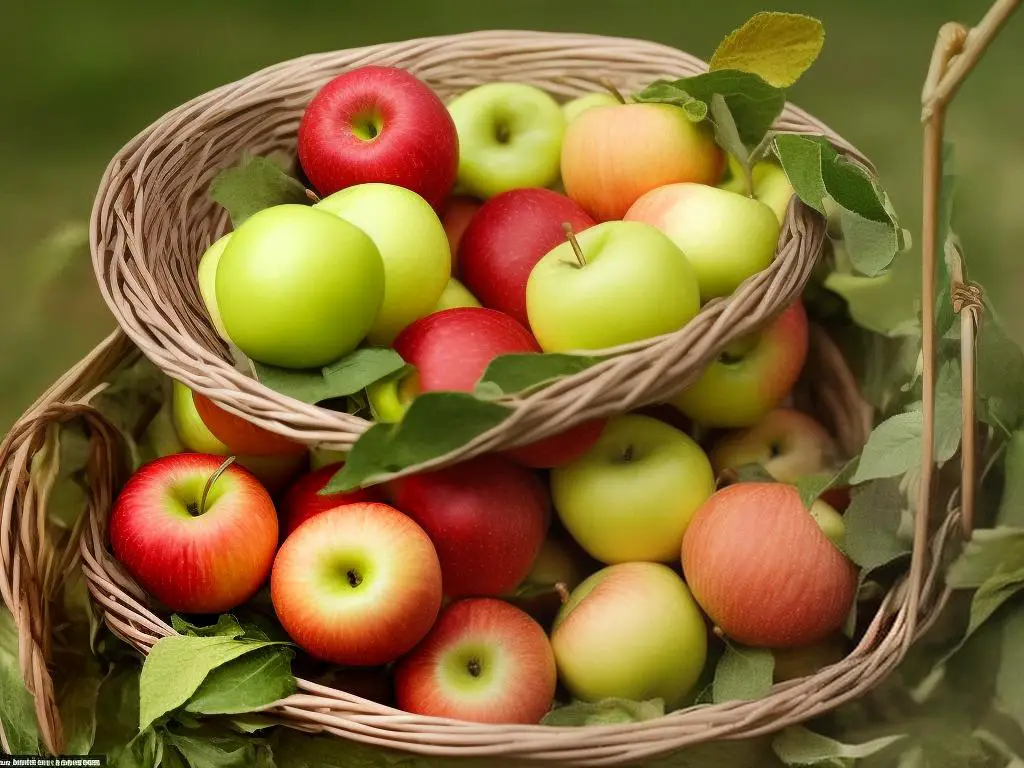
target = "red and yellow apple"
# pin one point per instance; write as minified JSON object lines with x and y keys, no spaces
{"x":240,"y":436}
{"x":787,"y":443}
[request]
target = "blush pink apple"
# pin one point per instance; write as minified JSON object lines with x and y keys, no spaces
{"x":303,"y":499}
{"x":787,"y":443}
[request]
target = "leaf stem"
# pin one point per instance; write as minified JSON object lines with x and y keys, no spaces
{"x":213,"y":479}
{"x":574,"y":243}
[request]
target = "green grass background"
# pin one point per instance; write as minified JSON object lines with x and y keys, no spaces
{"x":81,"y":78}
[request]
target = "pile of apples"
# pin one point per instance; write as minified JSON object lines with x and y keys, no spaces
{"x":601,"y":559}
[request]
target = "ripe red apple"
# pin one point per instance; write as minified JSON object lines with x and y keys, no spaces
{"x":458,"y":212}
{"x":484,"y":661}
{"x":303,"y":499}
{"x":379,"y":124}
{"x":240,"y":436}
{"x":195,"y":558}
{"x":487,"y":518}
{"x":787,"y":443}
{"x":358,"y":585}
{"x":450,"y":351}
{"x":506,"y":239}
{"x":762,"y":568}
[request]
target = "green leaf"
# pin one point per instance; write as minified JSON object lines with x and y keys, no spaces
{"x":252,"y":185}
{"x":1011,"y":506}
{"x":812,"y":486}
{"x":117,"y":708}
{"x":669,"y":92}
{"x":749,"y":473}
{"x":871,"y":244}
{"x":436,"y":424}
{"x":727,"y":135}
{"x":145,"y":750}
{"x":877,"y":303}
{"x":17,"y":707}
{"x":347,"y":376}
{"x":220,"y":751}
{"x":743,"y":674}
{"x":519,"y":373}
{"x":226,"y":626}
{"x":604,"y":712}
{"x":779,"y":47}
{"x":251,"y":722}
{"x":798,"y":746}
{"x":1010,"y":680}
{"x":1000,"y":377}
{"x":873,"y":524}
{"x":989,"y":552}
{"x":947,"y":240}
{"x":178,"y":665}
{"x":245,"y":684}
{"x":78,"y":703}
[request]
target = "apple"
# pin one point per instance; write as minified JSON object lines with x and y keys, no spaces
{"x":304,"y":500}
{"x":412,"y":244}
{"x":787,"y":443}
{"x":763,"y":570}
{"x":510,"y":136}
{"x":751,"y":376}
{"x":198,"y":537}
{"x":358,"y":585}
{"x":632,"y":495}
{"x":726,"y":236}
{"x":458,"y":212}
{"x":576,"y":107}
{"x":508,"y":236}
{"x":627,"y":282}
{"x":484,"y":661}
{"x":612,"y":155}
{"x":298,"y":287}
{"x":191,"y":428}
{"x":487,"y":518}
{"x":558,"y":569}
{"x":379,"y":124}
{"x":237,"y":435}
{"x":455,"y":294}
{"x":770,"y":185}
{"x":207,"y":275}
{"x":630,"y":631}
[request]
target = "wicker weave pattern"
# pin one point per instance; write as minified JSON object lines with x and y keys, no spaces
{"x":152,"y":221}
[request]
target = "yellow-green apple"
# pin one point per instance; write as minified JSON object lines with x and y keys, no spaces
{"x":417,"y":260}
{"x":458,"y":212}
{"x":303,"y":499}
{"x":484,"y":661}
{"x":456,"y":295}
{"x":358,"y":585}
{"x":197,"y":536}
{"x":763,"y":570}
{"x":632,"y":495}
{"x":207,"y":276}
{"x":726,"y":236}
{"x":298,"y":287}
{"x":628,"y":281}
{"x":803,"y":661}
{"x":450,"y":350}
{"x":510,"y":136}
{"x":487,"y":518}
{"x":630,"y":631}
{"x":508,"y":236}
{"x":612,"y":155}
{"x":787,"y":443}
{"x":379,"y":124}
{"x":751,"y":376}
{"x":191,"y":428}
{"x":238,"y":435}
{"x":576,"y":107}
{"x":771,"y":185}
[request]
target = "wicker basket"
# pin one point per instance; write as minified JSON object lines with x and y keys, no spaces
{"x":152,"y":220}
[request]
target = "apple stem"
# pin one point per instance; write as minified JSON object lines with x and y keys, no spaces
{"x":574,"y":243}
{"x":627,"y":454}
{"x":717,"y":632}
{"x":213,"y":479}
{"x":610,"y":87}
{"x":312,"y":196}
{"x":562,"y":591}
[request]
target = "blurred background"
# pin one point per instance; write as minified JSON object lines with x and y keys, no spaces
{"x":81,"y":78}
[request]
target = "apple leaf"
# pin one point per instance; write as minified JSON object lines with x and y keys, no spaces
{"x":604,"y":712}
{"x":77,"y":702}
{"x":873,"y":524}
{"x":779,"y":47}
{"x":1000,"y":377}
{"x":17,"y":707}
{"x":877,"y":303}
{"x":834,"y":186}
{"x":947,"y":241}
{"x":245,"y":684}
{"x":226,"y":626}
{"x":746,"y":473}
{"x":743,"y":674}
{"x":797,"y":745}
{"x":253,"y":184}
{"x":349,"y":375}
{"x":1011,"y":506}
{"x":668,"y":92}
{"x":145,"y":750}
{"x":435,"y":424}
{"x":117,"y":708}
{"x":812,"y":486}
{"x":210,"y":748}
{"x":728,"y":137}
{"x":517,"y":374}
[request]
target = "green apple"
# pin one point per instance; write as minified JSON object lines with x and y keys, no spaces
{"x":391,"y":396}
{"x":191,"y":428}
{"x":632,"y":495}
{"x":298,"y":287}
{"x":630,"y":631}
{"x":628,"y":282}
{"x":510,"y":136}
{"x":456,"y":295}
{"x":574,"y":108}
{"x":412,"y":244}
{"x":208,"y":282}
{"x":727,"y":236}
{"x":830,"y":521}
{"x":771,"y":185}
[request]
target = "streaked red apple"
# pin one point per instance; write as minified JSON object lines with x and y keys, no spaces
{"x":303,"y":499}
{"x":787,"y":443}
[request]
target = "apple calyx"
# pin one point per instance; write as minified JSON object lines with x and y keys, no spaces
{"x":628,"y":454}
{"x":610,"y":87}
{"x":562,"y":590}
{"x":474,"y":667}
{"x":312,"y":196}
{"x":575,"y":245}
{"x":355,"y":578}
{"x":201,"y":509}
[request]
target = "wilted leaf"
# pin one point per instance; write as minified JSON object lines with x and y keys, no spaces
{"x":743,"y":674}
{"x":518,"y":373}
{"x":797,"y":745}
{"x":252,"y":185}
{"x":777,"y":46}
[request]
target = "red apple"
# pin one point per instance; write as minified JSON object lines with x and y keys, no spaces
{"x":762,"y":568}
{"x":487,"y":518}
{"x":450,"y":351}
{"x":303,"y":499}
{"x":195,"y":558}
{"x":787,"y":443}
{"x":379,"y":124}
{"x":458,"y":212}
{"x":240,"y":436}
{"x":358,"y":585}
{"x":484,"y":661}
{"x":506,"y":239}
